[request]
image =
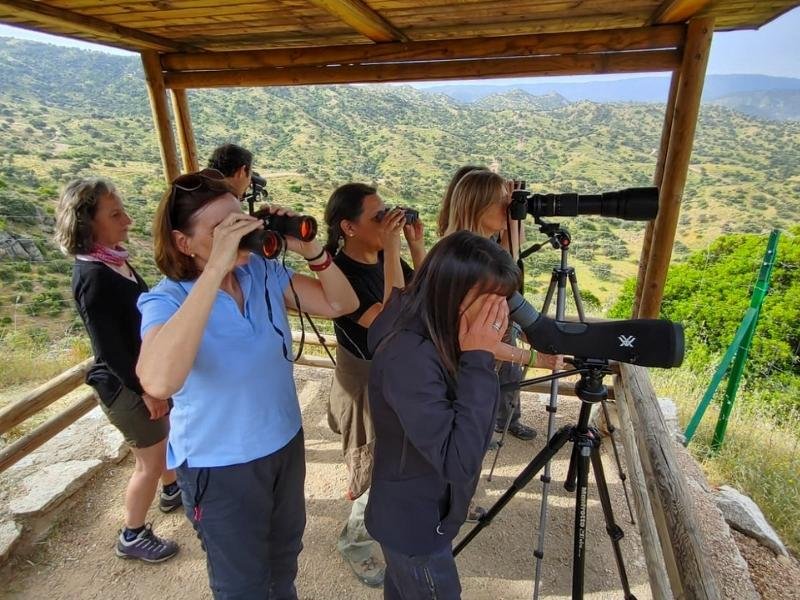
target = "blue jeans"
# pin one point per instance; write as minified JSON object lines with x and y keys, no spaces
{"x":421,"y":577}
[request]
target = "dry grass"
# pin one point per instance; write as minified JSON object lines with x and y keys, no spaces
{"x":759,"y":457}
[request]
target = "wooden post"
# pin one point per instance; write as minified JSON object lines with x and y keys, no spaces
{"x":670,"y":488}
{"x":687,"y":108}
{"x":658,"y":181}
{"x":160,"y":109}
{"x":183,"y":123}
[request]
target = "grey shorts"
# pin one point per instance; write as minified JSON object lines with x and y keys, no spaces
{"x":128,"y":413}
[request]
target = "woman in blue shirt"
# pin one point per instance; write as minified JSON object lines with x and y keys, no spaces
{"x":215,"y":338}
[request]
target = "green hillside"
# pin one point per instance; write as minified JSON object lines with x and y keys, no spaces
{"x":67,"y":113}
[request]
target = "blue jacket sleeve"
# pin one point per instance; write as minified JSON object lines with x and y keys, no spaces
{"x":451,"y":435}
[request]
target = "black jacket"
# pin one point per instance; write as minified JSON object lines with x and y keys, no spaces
{"x":430,"y":437}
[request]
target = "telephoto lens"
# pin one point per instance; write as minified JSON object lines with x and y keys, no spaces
{"x":263,"y":242}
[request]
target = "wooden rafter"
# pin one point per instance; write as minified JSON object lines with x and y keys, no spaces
{"x":41,"y":13}
{"x":567,"y":64}
{"x":646,"y":38}
{"x":363,"y":19}
{"x":678,"y":11}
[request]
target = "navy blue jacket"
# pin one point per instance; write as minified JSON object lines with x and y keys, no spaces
{"x":430,"y":437}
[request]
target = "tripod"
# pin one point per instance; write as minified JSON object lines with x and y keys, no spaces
{"x":586,"y":449}
{"x":559,"y":238}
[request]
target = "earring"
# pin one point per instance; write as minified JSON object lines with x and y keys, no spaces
{"x":193,"y":255}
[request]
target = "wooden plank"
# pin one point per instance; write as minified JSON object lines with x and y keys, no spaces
{"x":47,"y":16}
{"x":160,"y":111}
{"x":363,"y":19}
{"x":315,"y":361}
{"x":689,"y":549}
{"x":183,"y":123}
{"x":650,"y":38}
{"x":678,"y":11}
{"x":15,"y":413}
{"x":658,"y":180}
{"x":20,"y":448}
{"x":676,"y":166}
{"x":579,"y":64}
{"x":648,"y":532}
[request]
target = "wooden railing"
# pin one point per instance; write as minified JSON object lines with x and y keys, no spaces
{"x":677,"y":560}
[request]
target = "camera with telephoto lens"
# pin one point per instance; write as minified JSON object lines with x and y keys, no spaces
{"x":632,"y":204}
{"x":412,"y":216}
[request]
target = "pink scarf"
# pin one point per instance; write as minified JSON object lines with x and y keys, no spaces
{"x":113,"y":256}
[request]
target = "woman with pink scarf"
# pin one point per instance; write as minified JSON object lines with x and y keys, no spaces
{"x":91,"y":225}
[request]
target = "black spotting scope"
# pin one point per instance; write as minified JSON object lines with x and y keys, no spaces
{"x":632,"y":204}
{"x":644,"y":342}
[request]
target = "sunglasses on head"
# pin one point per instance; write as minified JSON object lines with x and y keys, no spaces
{"x":191,"y":182}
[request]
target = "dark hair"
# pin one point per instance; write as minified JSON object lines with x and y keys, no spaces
{"x":346,"y":202}
{"x":186,"y":195}
{"x":444,"y":212}
{"x":455,"y":265}
{"x":229,"y":158}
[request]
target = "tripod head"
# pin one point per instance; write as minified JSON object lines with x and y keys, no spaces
{"x":589,"y":388}
{"x":557,"y":236}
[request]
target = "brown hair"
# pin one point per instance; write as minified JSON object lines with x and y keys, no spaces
{"x":186,"y":195}
{"x":444,"y":211}
{"x":75,"y":212}
{"x":473,"y":196}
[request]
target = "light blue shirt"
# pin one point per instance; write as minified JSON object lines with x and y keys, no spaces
{"x":239,"y":402}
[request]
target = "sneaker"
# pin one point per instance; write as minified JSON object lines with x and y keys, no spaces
{"x":169,"y":502}
{"x":475,"y":513}
{"x":146,"y":546}
{"x":522,"y":432}
{"x":370,"y":571}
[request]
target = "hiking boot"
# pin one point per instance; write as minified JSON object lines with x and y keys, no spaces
{"x":522,"y":432}
{"x":169,"y":502}
{"x":146,"y":546}
{"x":370,"y":571}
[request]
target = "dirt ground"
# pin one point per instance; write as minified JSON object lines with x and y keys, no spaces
{"x":76,"y":559}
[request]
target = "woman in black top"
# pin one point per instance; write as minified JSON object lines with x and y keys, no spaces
{"x":365,"y":238}
{"x":433,"y":393}
{"x":91,"y":224}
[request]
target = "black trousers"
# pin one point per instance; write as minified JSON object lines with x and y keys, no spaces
{"x":422,"y":577}
{"x":250,"y":519}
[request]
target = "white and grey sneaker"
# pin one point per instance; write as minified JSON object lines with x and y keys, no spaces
{"x":146,"y":546}
{"x":169,"y":502}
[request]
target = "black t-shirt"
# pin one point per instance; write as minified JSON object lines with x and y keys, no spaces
{"x":106,"y":302}
{"x":367,"y":282}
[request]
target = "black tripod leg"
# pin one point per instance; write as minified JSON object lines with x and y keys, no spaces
{"x":614,"y":530}
{"x":622,"y":477}
{"x":569,"y":480}
{"x":561,"y":437}
{"x":583,"y":448}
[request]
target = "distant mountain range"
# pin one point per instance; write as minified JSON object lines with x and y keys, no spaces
{"x":763,"y":96}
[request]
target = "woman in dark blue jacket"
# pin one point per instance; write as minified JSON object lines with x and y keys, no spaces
{"x":433,"y":393}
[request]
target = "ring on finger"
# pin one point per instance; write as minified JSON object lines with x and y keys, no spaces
{"x":496,"y":326}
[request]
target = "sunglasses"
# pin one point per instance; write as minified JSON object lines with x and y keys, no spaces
{"x":191,"y":182}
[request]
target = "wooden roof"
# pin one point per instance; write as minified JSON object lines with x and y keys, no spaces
{"x":210,"y":25}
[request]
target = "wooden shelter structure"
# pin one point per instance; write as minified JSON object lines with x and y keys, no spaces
{"x":207,"y":43}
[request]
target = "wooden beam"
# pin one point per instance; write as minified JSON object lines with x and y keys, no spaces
{"x":363,"y":19}
{"x":658,"y":181}
{"x":160,"y":110}
{"x":16,"y":412}
{"x":643,"y":38}
{"x":676,"y":167}
{"x":20,"y":448}
{"x":689,"y":548}
{"x":42,"y":13}
{"x":678,"y":11}
{"x":183,"y":123}
{"x":656,"y":567}
{"x":580,"y":64}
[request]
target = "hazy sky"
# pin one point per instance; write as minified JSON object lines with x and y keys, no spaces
{"x":772,"y":50}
